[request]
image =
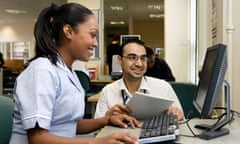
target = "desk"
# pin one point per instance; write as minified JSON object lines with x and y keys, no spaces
{"x":95,"y":88}
{"x":232,"y":138}
{"x":94,"y":98}
{"x":91,"y":105}
{"x":97,"y":85}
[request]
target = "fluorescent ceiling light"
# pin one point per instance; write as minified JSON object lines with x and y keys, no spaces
{"x":156,"y":15}
{"x":116,"y":8}
{"x":117,"y":22}
{"x":14,"y":11}
{"x":154,"y":6}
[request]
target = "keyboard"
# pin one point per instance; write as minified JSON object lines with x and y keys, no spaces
{"x":159,"y":128}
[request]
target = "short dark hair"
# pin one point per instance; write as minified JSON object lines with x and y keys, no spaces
{"x":50,"y":22}
{"x":149,"y":51}
{"x":140,"y":42}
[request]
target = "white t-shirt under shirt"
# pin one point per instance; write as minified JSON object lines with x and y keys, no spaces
{"x":112,"y":93}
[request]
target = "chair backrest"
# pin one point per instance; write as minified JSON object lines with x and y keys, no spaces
{"x":186,"y":93}
{"x":84,"y":80}
{"x":6,"y":109}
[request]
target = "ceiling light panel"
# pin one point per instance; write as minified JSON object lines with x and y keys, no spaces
{"x":15,"y":11}
{"x":117,"y":22}
{"x":154,"y":7}
{"x":116,"y":8}
{"x":156,"y":15}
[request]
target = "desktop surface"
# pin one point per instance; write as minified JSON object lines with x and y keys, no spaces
{"x":232,"y":138}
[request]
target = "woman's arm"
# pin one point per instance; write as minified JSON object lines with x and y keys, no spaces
{"x":89,"y":125}
{"x":38,"y":135}
{"x":122,"y":120}
{"x":41,"y":136}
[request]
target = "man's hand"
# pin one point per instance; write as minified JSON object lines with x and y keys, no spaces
{"x":118,"y":109}
{"x":176,"y":111}
{"x":124,"y":121}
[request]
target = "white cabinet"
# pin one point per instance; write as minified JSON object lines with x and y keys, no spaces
{"x":16,"y":50}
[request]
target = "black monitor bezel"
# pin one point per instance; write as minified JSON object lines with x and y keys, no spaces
{"x":216,"y":81}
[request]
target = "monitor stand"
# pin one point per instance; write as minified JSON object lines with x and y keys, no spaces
{"x":214,"y":131}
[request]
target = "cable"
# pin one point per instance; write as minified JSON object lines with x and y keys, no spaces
{"x":191,"y":129}
{"x":219,"y":118}
{"x":232,"y":111}
{"x":189,"y":118}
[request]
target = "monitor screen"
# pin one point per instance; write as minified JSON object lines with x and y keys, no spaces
{"x":125,"y":38}
{"x":211,"y":80}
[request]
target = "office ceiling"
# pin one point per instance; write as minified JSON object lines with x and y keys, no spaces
{"x":137,"y":9}
{"x":29,"y":10}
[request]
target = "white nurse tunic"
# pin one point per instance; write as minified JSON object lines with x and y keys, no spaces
{"x":48,"y":95}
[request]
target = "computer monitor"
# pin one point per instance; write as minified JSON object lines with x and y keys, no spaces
{"x":125,"y":38}
{"x":116,"y":68}
{"x":209,"y":89}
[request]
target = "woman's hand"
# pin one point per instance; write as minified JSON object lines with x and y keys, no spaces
{"x":118,"y":109}
{"x":117,"y":138}
{"x":124,"y":121}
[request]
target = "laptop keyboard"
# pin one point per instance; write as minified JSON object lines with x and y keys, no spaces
{"x":159,"y":128}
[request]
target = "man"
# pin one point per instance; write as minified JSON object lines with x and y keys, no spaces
{"x":158,"y":67}
{"x":133,"y":59}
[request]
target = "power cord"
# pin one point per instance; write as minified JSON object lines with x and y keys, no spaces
{"x":189,"y":118}
{"x":219,"y":118}
{"x":233,"y":112}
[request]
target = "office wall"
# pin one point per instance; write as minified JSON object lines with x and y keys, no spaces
{"x":16,"y":32}
{"x":226,"y":20}
{"x":92,"y":4}
{"x":152,"y":32}
{"x":235,"y":56}
{"x":204,"y":27}
{"x":176,"y":38}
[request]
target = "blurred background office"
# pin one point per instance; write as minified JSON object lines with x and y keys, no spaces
{"x":112,"y":49}
{"x":183,"y":29}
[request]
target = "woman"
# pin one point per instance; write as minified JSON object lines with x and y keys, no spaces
{"x":49,"y":99}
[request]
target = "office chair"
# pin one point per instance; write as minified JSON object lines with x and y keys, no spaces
{"x":6,"y":109}
{"x":85,"y":82}
{"x":186,"y":93}
{"x":84,"y":79}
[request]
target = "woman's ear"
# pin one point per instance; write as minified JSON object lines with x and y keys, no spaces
{"x":68,"y":31}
